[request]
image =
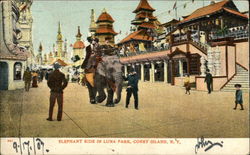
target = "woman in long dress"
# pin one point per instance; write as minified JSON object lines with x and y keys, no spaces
{"x":34,"y":79}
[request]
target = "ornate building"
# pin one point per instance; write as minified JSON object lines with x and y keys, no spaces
{"x":12,"y":57}
{"x":105,"y":28}
{"x":144,"y":30}
{"x":25,"y":22}
{"x":60,"y":50}
{"x":213,"y":37}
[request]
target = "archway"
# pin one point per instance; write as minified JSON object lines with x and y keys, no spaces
{"x":4,"y":76}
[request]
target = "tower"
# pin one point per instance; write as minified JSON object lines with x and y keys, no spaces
{"x":78,"y":49}
{"x":39,"y":56}
{"x":65,"y":49}
{"x":59,"y":42}
{"x":144,"y":16}
{"x":105,"y":28}
{"x":92,"y":26}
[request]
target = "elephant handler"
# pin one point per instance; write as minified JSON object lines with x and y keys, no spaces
{"x":89,"y":68}
{"x":132,"y":88}
{"x":57,"y":83}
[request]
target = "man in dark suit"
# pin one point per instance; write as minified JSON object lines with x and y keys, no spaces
{"x":209,"y":81}
{"x":57,"y":83}
{"x":132,"y":88}
{"x":89,"y":68}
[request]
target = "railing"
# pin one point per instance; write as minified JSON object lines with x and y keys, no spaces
{"x":149,"y":50}
{"x":180,"y":38}
{"x":200,"y":45}
{"x":237,"y":34}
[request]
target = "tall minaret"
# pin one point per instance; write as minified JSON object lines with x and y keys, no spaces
{"x":59,"y":41}
{"x":79,"y":35}
{"x":65,"y":49}
{"x":93,"y":26}
{"x":40,"y":58}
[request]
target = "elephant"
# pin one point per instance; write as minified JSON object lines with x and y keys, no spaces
{"x":109,"y":74}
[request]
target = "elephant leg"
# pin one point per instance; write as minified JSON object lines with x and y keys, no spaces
{"x":110,"y":102}
{"x":92,"y":93}
{"x":99,"y":85}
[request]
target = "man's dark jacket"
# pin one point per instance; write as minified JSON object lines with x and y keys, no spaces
{"x":133,"y":81}
{"x":208,"y":78}
{"x":57,"y":81}
{"x":88,"y":54}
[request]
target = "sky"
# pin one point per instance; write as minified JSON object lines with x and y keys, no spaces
{"x":71,"y":14}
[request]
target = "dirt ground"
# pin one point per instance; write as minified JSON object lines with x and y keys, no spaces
{"x":164,"y":112}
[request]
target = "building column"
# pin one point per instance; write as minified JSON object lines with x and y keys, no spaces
{"x":142,"y":72}
{"x":152,"y":72}
{"x":217,"y":63}
{"x":180,"y":68}
{"x":165,"y":71}
{"x":125,"y":70}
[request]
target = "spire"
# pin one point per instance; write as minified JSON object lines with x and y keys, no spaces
{"x":104,"y":10}
{"x":93,"y":25}
{"x":59,"y":27}
{"x":40,"y":47}
{"x":79,"y":35}
{"x":59,"y":35}
{"x":65,"y":46}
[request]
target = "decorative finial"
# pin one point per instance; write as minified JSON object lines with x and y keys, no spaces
{"x":59,"y":27}
{"x":104,"y":10}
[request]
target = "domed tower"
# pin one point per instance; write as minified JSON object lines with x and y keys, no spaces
{"x":78,"y":48}
{"x":39,"y":56}
{"x":105,"y":28}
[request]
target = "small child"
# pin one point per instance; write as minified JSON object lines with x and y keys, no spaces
{"x":238,"y":97}
{"x":187,"y":84}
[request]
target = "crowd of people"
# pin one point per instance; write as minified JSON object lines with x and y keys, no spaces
{"x":33,"y":77}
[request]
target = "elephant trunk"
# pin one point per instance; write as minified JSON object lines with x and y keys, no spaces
{"x":118,"y":84}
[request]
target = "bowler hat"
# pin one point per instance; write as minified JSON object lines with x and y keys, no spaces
{"x":96,"y":40}
{"x":132,"y":70}
{"x":89,"y":39}
{"x":237,"y":85}
{"x":57,"y":65}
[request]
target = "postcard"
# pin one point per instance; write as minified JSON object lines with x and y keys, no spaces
{"x":124,"y":77}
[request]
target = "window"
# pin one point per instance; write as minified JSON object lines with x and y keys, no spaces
{"x":18,"y":71}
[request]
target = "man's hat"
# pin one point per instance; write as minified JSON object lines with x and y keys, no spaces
{"x":96,"y":40}
{"x":237,"y":85}
{"x":107,"y":38}
{"x":89,"y":39}
{"x":132,"y":70}
{"x":57,"y":65}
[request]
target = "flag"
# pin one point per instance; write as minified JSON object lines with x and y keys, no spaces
{"x":185,"y":5}
{"x":174,"y":5}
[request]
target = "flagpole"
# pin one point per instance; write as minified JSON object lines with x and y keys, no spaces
{"x":175,"y":9}
{"x":176,"y":12}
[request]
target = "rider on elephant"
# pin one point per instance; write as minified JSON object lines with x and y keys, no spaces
{"x":89,"y":68}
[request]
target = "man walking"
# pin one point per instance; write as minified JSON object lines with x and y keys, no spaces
{"x":209,"y":81}
{"x":132,"y":88}
{"x":57,"y":83}
{"x":27,"y":79}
